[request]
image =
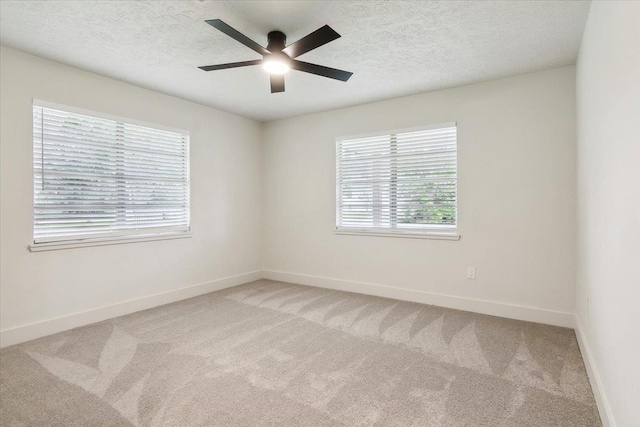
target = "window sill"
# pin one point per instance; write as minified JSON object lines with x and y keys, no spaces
{"x":435,"y":235}
{"x":54,"y":246}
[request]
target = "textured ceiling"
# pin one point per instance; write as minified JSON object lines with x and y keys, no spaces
{"x":394,"y":48}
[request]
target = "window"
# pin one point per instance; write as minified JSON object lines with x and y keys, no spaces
{"x":398,"y":182}
{"x":98,"y":178}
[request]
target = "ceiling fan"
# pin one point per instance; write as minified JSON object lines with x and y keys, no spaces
{"x":278,"y":59}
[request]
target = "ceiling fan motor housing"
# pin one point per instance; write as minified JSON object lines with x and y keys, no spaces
{"x":277,"y":41}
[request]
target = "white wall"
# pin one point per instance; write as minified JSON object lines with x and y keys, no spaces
{"x":516,"y":161}
{"x":516,"y":208}
{"x":225,"y":196}
{"x":608,"y":272}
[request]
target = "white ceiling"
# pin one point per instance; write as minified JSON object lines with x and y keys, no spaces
{"x":394,"y":48}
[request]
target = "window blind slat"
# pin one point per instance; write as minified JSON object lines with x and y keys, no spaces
{"x":98,"y":127}
{"x":399,"y":180}
{"x":104,"y":145}
{"x":82,"y":154}
{"x":96,"y":177}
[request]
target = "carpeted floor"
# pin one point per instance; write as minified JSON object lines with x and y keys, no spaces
{"x":271,"y":353}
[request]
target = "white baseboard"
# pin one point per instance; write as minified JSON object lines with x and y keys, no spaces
{"x":47,"y":327}
{"x":493,"y":308}
{"x":606,"y":415}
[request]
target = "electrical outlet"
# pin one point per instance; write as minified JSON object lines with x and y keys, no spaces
{"x":471,"y":272}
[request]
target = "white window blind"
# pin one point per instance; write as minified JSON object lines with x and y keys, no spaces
{"x":97,"y":178}
{"x":401,"y":182}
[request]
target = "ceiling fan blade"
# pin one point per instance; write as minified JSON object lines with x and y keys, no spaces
{"x":321,"y":70}
{"x":231,"y":65}
{"x":235,"y":34}
{"x":311,"y":41}
{"x":277,"y":83}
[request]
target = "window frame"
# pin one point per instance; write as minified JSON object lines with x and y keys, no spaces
{"x":437,"y":232}
{"x":117,"y":236}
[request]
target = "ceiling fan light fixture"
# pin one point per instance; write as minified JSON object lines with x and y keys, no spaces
{"x":276,"y":65}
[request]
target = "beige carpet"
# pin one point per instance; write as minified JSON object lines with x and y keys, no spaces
{"x":270,"y":353}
